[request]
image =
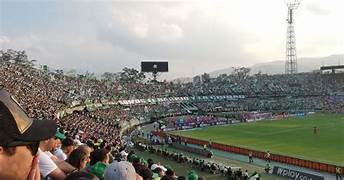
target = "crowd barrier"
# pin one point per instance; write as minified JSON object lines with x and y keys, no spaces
{"x":259,"y":154}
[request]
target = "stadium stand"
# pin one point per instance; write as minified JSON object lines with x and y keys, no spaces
{"x":93,"y":112}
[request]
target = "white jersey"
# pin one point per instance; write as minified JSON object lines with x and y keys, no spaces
{"x":46,"y":164}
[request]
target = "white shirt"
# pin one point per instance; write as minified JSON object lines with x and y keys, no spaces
{"x":46,"y":164}
{"x":60,"y":154}
{"x":48,"y":153}
{"x":154,"y":166}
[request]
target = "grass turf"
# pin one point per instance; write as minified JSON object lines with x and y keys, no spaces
{"x":291,"y":136}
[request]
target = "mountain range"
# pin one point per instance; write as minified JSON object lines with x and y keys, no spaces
{"x":277,"y":67}
{"x":305,"y":64}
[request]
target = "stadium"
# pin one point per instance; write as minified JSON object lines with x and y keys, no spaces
{"x":296,"y":119}
{"x":171,"y":90}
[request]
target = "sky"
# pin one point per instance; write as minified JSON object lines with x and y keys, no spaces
{"x":194,"y":36}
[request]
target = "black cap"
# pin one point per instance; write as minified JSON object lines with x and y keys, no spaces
{"x":16,"y":128}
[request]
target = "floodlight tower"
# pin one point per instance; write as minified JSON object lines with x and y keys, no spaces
{"x":291,"y":58}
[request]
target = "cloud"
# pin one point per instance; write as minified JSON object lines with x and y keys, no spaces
{"x":317,"y":9}
{"x":177,"y":32}
{"x":195,"y":36}
{"x":63,"y":51}
{"x":4,"y":40}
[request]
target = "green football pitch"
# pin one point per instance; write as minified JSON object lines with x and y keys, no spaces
{"x":291,"y":136}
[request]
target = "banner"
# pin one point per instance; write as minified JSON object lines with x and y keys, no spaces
{"x":296,"y":175}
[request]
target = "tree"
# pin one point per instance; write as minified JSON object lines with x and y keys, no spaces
{"x":19,"y":57}
{"x":196,"y":79}
{"x":222,"y":78}
{"x":131,"y":75}
{"x":108,"y":76}
{"x":90,"y":76}
{"x":240,"y":74}
{"x":71,"y":73}
{"x":205,"y":78}
{"x":59,"y":71}
{"x":4,"y":56}
{"x":9,"y":55}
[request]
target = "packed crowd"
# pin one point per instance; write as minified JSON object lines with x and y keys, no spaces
{"x":83,"y":126}
{"x":39,"y":97}
{"x":29,"y":151}
{"x":263,"y":92}
{"x":187,"y":122}
{"x":109,"y":114}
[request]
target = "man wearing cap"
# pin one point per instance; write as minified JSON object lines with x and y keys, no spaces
{"x":121,"y":170}
{"x":19,"y":140}
{"x":59,"y":137}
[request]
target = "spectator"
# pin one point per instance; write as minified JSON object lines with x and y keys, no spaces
{"x":181,"y":178}
{"x":159,"y":171}
{"x":78,"y":158}
{"x":49,"y":163}
{"x":170,"y":172}
{"x":124,"y":155}
{"x":87,"y":150}
{"x":81,"y":176}
{"x":267,"y":168}
{"x":67,"y":147}
{"x":90,"y":144}
{"x":98,"y":163}
{"x":59,"y":137}
{"x":143,"y":171}
{"x":239,"y":174}
{"x":19,"y":140}
{"x":150,"y":163}
{"x":255,"y":176}
{"x":47,"y":166}
{"x":122,"y":170}
{"x":246,"y":175}
{"x":158,"y":165}
{"x":192,"y":175}
{"x":168,"y":178}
